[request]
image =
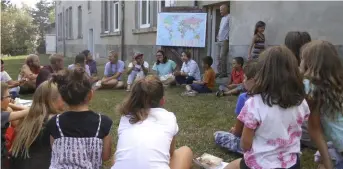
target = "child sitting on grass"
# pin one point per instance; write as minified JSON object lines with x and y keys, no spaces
{"x":6,"y":118}
{"x":273,"y":114}
{"x":31,"y":148}
{"x":234,"y":87}
{"x":323,"y":73}
{"x":80,"y":137}
{"x":231,"y":140}
{"x":147,"y":132}
{"x":207,"y":84}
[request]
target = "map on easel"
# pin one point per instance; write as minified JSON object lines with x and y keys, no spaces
{"x":181,"y":29}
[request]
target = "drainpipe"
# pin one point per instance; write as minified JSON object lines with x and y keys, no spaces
{"x":122,"y":30}
{"x":56,"y":27}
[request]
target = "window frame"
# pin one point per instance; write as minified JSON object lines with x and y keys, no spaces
{"x":160,"y":4}
{"x":147,"y":24}
{"x":66,"y":16}
{"x":106,"y":19}
{"x":115,"y":16}
{"x":70,"y":20}
{"x":79,"y":22}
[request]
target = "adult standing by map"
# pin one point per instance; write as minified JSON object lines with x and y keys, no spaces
{"x":223,"y":41}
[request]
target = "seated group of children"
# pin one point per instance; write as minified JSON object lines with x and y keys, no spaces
{"x":60,"y":131}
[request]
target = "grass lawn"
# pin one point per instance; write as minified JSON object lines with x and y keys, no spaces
{"x":198,"y":117}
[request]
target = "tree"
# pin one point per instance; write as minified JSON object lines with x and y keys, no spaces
{"x":41,"y":18}
{"x":17,"y":32}
{"x":5,"y":4}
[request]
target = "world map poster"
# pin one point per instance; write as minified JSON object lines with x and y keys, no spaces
{"x":181,"y":29}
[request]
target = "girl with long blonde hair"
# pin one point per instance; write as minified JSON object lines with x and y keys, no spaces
{"x":31,"y":148}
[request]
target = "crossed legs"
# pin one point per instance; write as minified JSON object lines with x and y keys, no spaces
{"x":113,"y":83}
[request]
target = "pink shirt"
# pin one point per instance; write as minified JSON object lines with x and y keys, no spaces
{"x":277,"y":133}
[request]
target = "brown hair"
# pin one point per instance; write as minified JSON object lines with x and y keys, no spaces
{"x":279,"y":81}
{"x":73,"y":85}
{"x":54,"y":58}
{"x":145,"y":94}
{"x":30,"y":127}
{"x":250,"y":69}
{"x":322,"y":66}
{"x":294,"y":40}
{"x":113,"y":53}
{"x":188,"y":54}
{"x":165,"y":59}
{"x":4,"y":87}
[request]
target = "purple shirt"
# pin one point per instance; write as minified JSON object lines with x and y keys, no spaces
{"x":92,"y":67}
{"x":111,"y":68}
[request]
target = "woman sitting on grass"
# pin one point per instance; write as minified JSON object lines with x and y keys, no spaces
{"x":147,"y":132}
{"x":137,"y":69}
{"x":164,"y":68}
{"x":274,"y":113}
{"x":189,"y":71}
{"x":28,"y":74}
{"x":31,"y":148}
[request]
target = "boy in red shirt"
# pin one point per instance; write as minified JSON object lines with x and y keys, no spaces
{"x":234,"y":86}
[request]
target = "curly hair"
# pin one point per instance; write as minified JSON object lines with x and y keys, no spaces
{"x":322,"y":66}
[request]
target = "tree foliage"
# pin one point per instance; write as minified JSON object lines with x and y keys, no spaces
{"x":41,"y":18}
{"x":17,"y":31}
{"x":22,"y":28}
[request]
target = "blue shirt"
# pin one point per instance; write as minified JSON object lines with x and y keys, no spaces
{"x":242,"y":98}
{"x":92,"y":67}
{"x":332,"y":126}
{"x":164,"y":68}
{"x":192,"y":69}
{"x":111,"y":68}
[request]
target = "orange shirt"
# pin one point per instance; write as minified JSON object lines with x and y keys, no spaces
{"x":237,"y":76}
{"x":209,"y":78}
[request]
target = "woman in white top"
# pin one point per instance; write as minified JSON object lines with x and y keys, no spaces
{"x":147,"y":131}
{"x":189,"y":71}
{"x":273,"y":115}
{"x":138,"y":69}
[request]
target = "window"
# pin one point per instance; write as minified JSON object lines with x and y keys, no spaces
{"x":106,"y":25}
{"x":66,"y":20}
{"x":144,"y":11}
{"x":165,"y":3}
{"x":79,"y":24}
{"x":70,"y":22}
{"x":60,"y":25}
{"x":115,"y":16}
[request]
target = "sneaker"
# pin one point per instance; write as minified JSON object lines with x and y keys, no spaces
{"x":191,"y":94}
{"x":219,"y":93}
{"x":184,"y":93}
